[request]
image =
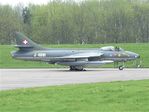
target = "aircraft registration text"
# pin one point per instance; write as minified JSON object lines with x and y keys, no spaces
{"x":40,"y":54}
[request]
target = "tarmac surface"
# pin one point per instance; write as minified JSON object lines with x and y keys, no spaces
{"x":25,"y":78}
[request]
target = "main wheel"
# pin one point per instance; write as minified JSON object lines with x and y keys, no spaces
{"x":72,"y":68}
{"x":76,"y":68}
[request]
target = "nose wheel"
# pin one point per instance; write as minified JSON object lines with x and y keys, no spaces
{"x":121,"y":67}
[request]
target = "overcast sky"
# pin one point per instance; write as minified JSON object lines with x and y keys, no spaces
{"x":25,"y":2}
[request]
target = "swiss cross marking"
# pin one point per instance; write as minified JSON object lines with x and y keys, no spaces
{"x":25,"y":42}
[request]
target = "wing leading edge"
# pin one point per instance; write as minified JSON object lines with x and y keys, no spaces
{"x":81,"y":55}
{"x":82,"y":59}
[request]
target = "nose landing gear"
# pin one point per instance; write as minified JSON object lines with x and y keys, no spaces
{"x":136,"y":63}
{"x":121,"y":67}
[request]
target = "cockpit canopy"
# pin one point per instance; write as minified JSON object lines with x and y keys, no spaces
{"x":111,"y":48}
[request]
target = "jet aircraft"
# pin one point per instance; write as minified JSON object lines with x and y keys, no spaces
{"x":76,"y":59}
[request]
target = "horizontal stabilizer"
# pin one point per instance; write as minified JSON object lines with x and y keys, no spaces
{"x":23,"y":46}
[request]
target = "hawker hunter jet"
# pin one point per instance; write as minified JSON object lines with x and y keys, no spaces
{"x":76,"y":59}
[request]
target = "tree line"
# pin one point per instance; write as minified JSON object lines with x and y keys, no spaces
{"x":86,"y":22}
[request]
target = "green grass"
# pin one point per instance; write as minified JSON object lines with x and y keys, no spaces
{"x":129,"y":96}
{"x":7,"y":62}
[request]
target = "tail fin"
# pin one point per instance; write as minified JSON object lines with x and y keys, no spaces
{"x":24,"y":43}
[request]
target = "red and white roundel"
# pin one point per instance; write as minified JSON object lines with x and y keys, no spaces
{"x":25,"y":42}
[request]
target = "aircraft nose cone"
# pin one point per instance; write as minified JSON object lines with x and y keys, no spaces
{"x":133,"y":55}
{"x":137,"y":56}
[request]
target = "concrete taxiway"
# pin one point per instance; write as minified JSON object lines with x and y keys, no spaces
{"x":24,"y":78}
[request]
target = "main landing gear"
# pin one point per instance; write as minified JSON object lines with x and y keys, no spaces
{"x":77,"y":68}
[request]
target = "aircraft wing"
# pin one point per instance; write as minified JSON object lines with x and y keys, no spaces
{"x":82,"y":55}
{"x":80,"y":63}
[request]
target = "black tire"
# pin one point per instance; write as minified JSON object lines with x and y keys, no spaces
{"x":75,"y":68}
{"x":121,"y":67}
{"x":72,"y":68}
